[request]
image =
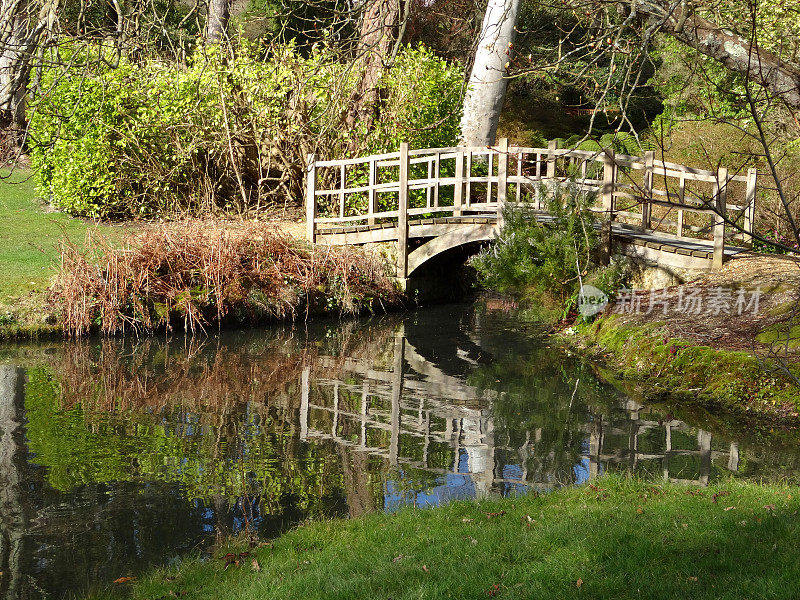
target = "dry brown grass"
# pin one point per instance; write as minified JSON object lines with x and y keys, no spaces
{"x":195,"y":273}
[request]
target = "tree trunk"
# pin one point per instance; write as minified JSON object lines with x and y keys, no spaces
{"x":378,"y":34}
{"x":780,"y":78}
{"x":488,"y":81}
{"x":219,"y":12}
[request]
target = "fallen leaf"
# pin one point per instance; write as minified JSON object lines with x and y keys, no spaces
{"x":466,"y":520}
{"x":489,"y":515}
{"x":639,"y":510}
{"x":424,"y":568}
{"x":729,"y":508}
{"x":684,"y":525}
{"x":579,"y":583}
{"x":769,"y":507}
{"x":692,"y":578}
{"x":398,"y":558}
{"x":719,"y":495}
{"x":124,"y":579}
{"x":256,"y":566}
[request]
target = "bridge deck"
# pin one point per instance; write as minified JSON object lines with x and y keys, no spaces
{"x":430,"y":227}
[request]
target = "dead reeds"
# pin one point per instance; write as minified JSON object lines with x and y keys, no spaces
{"x":196,"y":273}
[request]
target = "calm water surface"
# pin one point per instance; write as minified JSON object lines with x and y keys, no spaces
{"x":115,"y":456}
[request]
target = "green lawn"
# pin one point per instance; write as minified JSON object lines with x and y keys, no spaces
{"x":29,"y":237}
{"x":619,"y":538}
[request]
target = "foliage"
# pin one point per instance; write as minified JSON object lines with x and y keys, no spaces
{"x":548,"y":258}
{"x":224,"y":133}
{"x":196,"y":273}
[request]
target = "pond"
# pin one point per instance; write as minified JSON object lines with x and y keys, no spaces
{"x":118,"y":455}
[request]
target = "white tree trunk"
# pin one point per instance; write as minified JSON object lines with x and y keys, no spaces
{"x":488,"y":81}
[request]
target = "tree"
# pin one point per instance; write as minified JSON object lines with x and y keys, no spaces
{"x":217,"y":25}
{"x":22,"y":25}
{"x":375,"y":47}
{"x":489,"y":78}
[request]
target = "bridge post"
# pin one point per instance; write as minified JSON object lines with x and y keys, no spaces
{"x":502,"y":179}
{"x":311,"y":198}
{"x":402,"y":215}
{"x":647,"y":188}
{"x":373,"y":197}
{"x":720,"y":202}
{"x":550,"y":173}
{"x":458,"y":187}
{"x":750,"y":205}
{"x":607,"y":191}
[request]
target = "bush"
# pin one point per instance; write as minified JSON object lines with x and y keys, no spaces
{"x":196,"y":273}
{"x":549,"y":260}
{"x":219,"y":134}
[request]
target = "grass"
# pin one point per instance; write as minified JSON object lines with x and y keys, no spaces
{"x":733,"y":380}
{"x":29,"y":239}
{"x":621,"y":538}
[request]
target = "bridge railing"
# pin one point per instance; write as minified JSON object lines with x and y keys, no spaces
{"x":651,"y":194}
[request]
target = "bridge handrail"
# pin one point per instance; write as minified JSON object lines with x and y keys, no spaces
{"x":614,"y":177}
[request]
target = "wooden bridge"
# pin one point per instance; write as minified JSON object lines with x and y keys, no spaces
{"x":433,"y":200}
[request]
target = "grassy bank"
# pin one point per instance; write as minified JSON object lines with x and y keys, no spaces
{"x":148,"y":276}
{"x":681,"y":369}
{"x":30,"y":235}
{"x":619,"y":538}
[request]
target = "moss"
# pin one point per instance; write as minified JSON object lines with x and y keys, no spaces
{"x":733,"y":380}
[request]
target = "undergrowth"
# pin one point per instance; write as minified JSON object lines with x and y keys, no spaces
{"x":194,"y":273}
{"x":548,"y":262}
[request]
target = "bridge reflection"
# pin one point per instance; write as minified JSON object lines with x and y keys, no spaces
{"x":399,"y":415}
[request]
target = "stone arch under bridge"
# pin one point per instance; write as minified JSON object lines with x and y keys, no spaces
{"x":427,"y":202}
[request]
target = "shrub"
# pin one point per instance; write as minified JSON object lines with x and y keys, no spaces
{"x":548,"y":259}
{"x":196,"y":273}
{"x":221,"y":133}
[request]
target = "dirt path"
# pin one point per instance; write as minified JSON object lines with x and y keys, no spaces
{"x":726,"y":309}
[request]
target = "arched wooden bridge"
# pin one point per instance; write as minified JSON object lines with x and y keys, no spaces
{"x":433,"y":200}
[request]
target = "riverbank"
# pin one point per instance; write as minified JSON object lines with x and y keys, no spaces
{"x":728,"y":341}
{"x":616,"y":537}
{"x":66,"y":276}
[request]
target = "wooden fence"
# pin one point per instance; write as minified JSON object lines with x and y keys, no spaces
{"x":672,"y":200}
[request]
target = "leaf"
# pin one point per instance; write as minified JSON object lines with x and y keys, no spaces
{"x":579,"y":583}
{"x":489,"y":515}
{"x":769,"y":507}
{"x":727,"y":508}
{"x":398,"y":558}
{"x":256,"y":567}
{"x":424,"y":568}
{"x":124,"y":579}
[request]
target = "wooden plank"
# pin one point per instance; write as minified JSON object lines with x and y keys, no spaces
{"x":647,"y":186}
{"x":372,"y":194}
{"x":750,"y":205}
{"x":402,"y":219}
{"x":311,"y":198}
{"x":458,"y":190}
{"x":437,"y":176}
{"x":720,"y":194}
{"x":502,"y":174}
{"x":681,"y":199}
{"x":343,"y":179}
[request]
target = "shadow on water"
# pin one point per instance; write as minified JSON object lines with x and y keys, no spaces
{"x":116,"y":455}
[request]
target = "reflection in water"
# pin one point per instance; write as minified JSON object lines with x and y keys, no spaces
{"x":117,"y":455}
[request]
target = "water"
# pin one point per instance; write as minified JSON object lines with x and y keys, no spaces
{"x":115,"y":456}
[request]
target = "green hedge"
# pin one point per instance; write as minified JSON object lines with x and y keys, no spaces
{"x":221,"y":133}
